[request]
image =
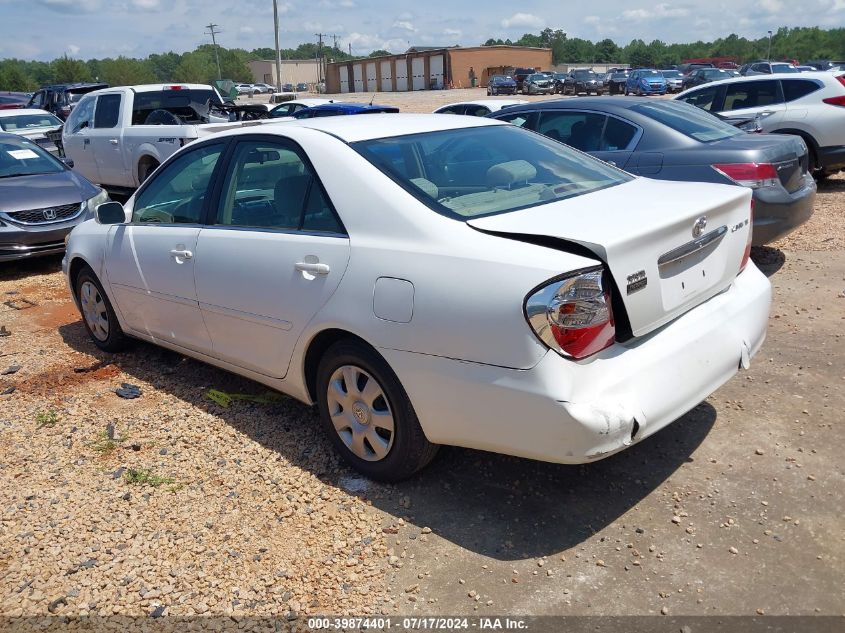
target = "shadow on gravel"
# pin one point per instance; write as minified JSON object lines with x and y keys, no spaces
{"x":498,"y":506}
{"x":24,"y":268}
{"x":769,"y":260}
{"x":831,"y":185}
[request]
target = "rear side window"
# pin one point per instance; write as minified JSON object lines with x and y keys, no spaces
{"x":796,"y":88}
{"x":107,"y":112}
{"x":704,"y":98}
{"x":752,"y":94}
{"x":581,"y":130}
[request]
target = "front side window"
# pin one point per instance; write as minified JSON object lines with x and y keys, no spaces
{"x":285,"y":109}
{"x":81,"y":116}
{"x":107,"y":112}
{"x":704,"y":98}
{"x":688,"y":120}
{"x":479,"y":171}
{"x":270,"y":186}
{"x":751,"y":94}
{"x":176,"y":194}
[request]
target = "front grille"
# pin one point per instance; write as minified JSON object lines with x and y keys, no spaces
{"x":46,"y":215}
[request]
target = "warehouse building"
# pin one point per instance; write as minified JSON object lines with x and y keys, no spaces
{"x":432,"y":68}
{"x":294,"y":71}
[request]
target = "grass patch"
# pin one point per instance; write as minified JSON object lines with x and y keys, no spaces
{"x":145,"y":478}
{"x":105,"y":444}
{"x":46,"y":418}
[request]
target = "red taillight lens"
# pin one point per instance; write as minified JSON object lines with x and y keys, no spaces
{"x":836,"y":101}
{"x":754,"y":175}
{"x":841,"y":79}
{"x":573,"y":316}
{"x":747,"y":254}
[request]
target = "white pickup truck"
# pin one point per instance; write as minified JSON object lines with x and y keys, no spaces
{"x":116,"y":137}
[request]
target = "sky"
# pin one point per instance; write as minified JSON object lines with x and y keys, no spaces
{"x":46,"y":29}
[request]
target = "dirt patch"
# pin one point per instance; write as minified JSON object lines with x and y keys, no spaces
{"x":54,"y":315}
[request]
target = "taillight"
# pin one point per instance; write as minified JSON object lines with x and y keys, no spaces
{"x":841,"y":79}
{"x":836,"y":101}
{"x":573,"y":315}
{"x":754,"y":175}
{"x":747,"y":254}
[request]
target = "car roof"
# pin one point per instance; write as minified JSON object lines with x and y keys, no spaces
{"x":364,"y":128}
{"x":485,"y":102}
{"x":80,"y":84}
{"x":5,"y":113}
{"x":604,"y":103}
{"x":350,"y":107}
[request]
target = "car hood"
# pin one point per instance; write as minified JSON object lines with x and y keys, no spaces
{"x":44,"y":190}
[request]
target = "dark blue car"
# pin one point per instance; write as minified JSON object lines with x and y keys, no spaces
{"x":646,"y":81}
{"x":336,"y":109}
{"x":501,"y":85}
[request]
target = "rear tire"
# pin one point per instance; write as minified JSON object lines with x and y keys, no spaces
{"x":367,"y":414}
{"x":97,"y":313}
{"x":145,"y":170}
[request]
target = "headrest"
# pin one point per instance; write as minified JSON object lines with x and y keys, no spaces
{"x":506,"y":174}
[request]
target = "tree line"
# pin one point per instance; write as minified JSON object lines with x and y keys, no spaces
{"x":200,"y":66}
{"x":802,"y":43}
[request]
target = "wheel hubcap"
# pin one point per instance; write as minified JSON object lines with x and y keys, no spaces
{"x":360,"y":413}
{"x":94,"y":311}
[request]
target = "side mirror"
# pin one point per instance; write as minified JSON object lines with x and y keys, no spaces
{"x":110,"y":213}
{"x":67,"y":161}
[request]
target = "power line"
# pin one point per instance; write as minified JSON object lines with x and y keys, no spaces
{"x":211,"y":31}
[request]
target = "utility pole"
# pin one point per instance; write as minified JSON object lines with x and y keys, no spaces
{"x":350,"y":49}
{"x":334,"y":47}
{"x":320,"y":37}
{"x":769,"y":54}
{"x":278,"y":50}
{"x":211,"y":31}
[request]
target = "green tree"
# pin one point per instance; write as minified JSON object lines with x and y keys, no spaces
{"x":67,"y":70}
{"x":607,"y":51}
{"x":379,"y":53}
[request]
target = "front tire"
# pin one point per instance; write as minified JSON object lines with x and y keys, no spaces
{"x":367,"y":414}
{"x":98,"y":316}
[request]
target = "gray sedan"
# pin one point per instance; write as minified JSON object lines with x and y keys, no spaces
{"x":671,"y":140}
{"x":41,"y":199}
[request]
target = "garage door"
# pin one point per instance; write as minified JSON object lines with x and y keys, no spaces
{"x":358,"y":77}
{"x":372,"y":82}
{"x":436,"y":68}
{"x":386,"y":83}
{"x":418,"y":73}
{"x":401,"y":75}
{"x":344,"y":78}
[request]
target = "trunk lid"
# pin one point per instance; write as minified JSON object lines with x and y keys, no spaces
{"x":787,"y":152}
{"x":650,"y":235}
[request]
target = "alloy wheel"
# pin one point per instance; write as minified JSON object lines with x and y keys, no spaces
{"x":360,"y":413}
{"x":94,"y":310}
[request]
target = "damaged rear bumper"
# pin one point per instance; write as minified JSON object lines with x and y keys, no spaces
{"x":576,"y":412}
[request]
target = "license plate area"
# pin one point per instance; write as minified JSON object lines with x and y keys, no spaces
{"x":691,"y":269}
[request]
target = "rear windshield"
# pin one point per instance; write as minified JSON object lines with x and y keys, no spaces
{"x":784,"y":68}
{"x":191,"y":106}
{"x":480,"y":171}
{"x":24,"y":122}
{"x":688,"y":120}
{"x":21,"y":157}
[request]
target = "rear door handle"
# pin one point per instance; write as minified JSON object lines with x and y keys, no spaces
{"x":314,"y":269}
{"x":113,"y":141}
{"x":180,"y":254}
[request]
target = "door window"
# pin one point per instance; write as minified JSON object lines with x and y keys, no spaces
{"x":82,"y":115}
{"x":176,"y":194}
{"x":752,"y":94}
{"x":704,"y":98}
{"x":477,"y":110}
{"x":618,"y":135}
{"x":581,"y":130}
{"x":520,"y":119}
{"x":270,"y":186}
{"x":796,"y":88}
{"x":107,"y":112}
{"x":37,"y":100}
{"x":453,"y":109}
{"x":283,"y":110}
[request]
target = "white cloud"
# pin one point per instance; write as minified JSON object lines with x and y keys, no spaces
{"x":661,"y":11}
{"x":405,"y":26}
{"x":146,"y":5}
{"x":772,"y":6}
{"x":73,"y":49}
{"x":592,"y":19}
{"x":71,"y":6}
{"x":458,"y":32}
{"x":523,"y":19}
{"x":246,"y":30}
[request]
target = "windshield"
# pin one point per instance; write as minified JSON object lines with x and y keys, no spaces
{"x":673,"y":74}
{"x":784,"y":68}
{"x":585,"y":74}
{"x":21,"y":157}
{"x":688,"y":120}
{"x":537,"y":77}
{"x":23,"y":122}
{"x":479,"y":171}
{"x":650,"y":73}
{"x":715,"y":72}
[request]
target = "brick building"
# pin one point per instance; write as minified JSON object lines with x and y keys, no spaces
{"x":432,"y":68}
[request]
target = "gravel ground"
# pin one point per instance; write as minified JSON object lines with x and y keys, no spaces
{"x":170,"y":504}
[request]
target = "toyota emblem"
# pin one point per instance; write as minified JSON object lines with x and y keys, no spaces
{"x":699,"y":226}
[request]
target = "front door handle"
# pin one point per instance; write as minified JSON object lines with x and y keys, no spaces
{"x":181,"y":254}
{"x":113,"y":141}
{"x":314,"y":269}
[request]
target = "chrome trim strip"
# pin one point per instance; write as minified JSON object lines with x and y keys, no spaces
{"x":10,"y":217}
{"x":690,"y":248}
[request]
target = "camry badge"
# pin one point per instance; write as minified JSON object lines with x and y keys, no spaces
{"x":699,"y":226}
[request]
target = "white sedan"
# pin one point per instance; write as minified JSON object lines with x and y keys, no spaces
{"x":32,"y":124}
{"x":480,"y":107}
{"x":432,"y":280}
{"x":287,"y":109}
